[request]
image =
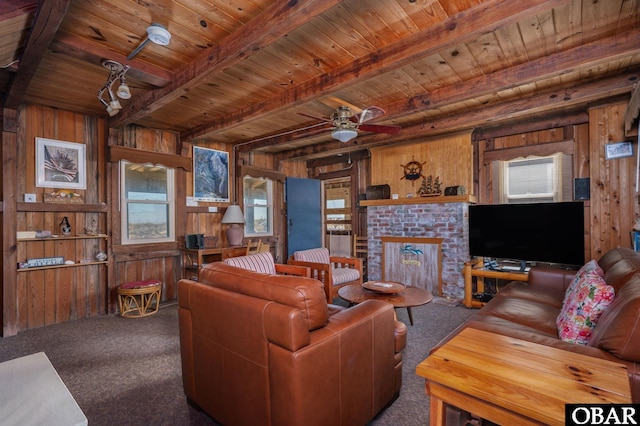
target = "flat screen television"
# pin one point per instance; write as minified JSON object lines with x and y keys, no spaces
{"x":540,"y":232}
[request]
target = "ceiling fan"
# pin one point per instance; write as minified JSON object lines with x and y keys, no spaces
{"x":346,"y":124}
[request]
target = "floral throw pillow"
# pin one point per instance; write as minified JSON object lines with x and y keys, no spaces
{"x":581,"y":310}
{"x":590,"y":266}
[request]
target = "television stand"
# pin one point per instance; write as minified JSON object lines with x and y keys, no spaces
{"x":474,"y":268}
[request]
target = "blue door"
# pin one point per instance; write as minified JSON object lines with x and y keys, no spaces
{"x":304,"y":214}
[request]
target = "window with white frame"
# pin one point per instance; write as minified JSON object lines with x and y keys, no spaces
{"x":534,"y":179}
{"x":258,"y":206}
{"x":147,"y":205}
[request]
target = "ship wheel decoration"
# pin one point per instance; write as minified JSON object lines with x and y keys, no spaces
{"x":412,"y":170}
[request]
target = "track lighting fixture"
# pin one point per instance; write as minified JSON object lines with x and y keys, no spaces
{"x":117,"y":71}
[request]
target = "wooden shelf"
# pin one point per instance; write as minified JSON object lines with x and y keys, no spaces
{"x":61,"y":207}
{"x":40,"y":268}
{"x":204,"y":209}
{"x":472,"y":199}
{"x":65,"y":237}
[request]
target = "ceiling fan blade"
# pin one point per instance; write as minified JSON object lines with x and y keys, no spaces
{"x":368,"y":113}
{"x":378,"y":128}
{"x":314,"y":117}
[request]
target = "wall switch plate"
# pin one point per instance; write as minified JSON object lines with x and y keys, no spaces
{"x":394,"y":196}
{"x":191,"y":202}
{"x":213,"y":209}
{"x":29,"y":198}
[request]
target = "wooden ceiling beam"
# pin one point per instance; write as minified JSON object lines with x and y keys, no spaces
{"x":13,"y":8}
{"x":552,"y":122}
{"x":597,"y":52}
{"x":540,"y":104}
{"x":273,"y":23}
{"x":584,"y":56}
{"x":459,"y":29}
{"x":633,"y":109}
{"x":46,"y":24}
{"x":95,"y":53}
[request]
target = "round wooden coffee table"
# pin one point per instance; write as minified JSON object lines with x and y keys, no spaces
{"x":407,"y":298}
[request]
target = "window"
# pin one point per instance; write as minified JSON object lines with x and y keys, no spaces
{"x":534,"y":179}
{"x":258,"y":206}
{"x":147,"y":203}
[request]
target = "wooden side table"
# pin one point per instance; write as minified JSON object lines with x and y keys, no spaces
{"x":194,"y":259}
{"x":511,"y":381}
{"x":474,"y":268}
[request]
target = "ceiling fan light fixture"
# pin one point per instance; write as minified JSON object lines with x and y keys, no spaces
{"x":344,"y":134}
{"x":159,"y":34}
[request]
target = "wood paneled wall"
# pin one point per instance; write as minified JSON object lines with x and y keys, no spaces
{"x":613,"y":206}
{"x":43,"y":297}
{"x":448,"y":157}
{"x":614,"y":201}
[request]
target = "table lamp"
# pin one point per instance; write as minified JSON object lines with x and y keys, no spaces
{"x":234,"y":217}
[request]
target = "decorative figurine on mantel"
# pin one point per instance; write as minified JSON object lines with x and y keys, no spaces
{"x":429,"y":188}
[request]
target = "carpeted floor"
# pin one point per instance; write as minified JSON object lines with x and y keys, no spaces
{"x":127,"y":371}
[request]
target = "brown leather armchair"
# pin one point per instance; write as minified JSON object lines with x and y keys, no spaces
{"x":264,"y":349}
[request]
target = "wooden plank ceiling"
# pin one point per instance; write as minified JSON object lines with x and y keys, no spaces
{"x":242,"y":71}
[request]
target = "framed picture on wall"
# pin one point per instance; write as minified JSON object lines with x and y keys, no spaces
{"x":618,"y":150}
{"x":60,"y":164}
{"x":210,"y":175}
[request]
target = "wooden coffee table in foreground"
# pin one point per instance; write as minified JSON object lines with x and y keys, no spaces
{"x":515,"y":382}
{"x":407,"y":298}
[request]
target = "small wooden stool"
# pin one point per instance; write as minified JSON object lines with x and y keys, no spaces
{"x":139,"y":298}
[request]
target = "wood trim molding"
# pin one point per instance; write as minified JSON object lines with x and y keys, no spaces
{"x":257,"y":172}
{"x":117,"y":153}
{"x":543,"y":149}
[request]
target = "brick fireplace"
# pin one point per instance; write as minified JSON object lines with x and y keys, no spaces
{"x":446,"y":222}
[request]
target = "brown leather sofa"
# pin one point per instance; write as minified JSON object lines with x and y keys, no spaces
{"x":528,"y":311}
{"x":268,"y":350}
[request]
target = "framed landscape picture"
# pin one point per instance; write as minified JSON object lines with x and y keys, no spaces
{"x":210,"y":175}
{"x":60,"y":164}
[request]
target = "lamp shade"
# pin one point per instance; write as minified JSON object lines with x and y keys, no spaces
{"x":233,"y":215}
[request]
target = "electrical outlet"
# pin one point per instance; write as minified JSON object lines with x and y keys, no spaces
{"x":29,"y":198}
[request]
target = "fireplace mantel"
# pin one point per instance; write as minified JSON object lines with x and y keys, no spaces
{"x":471,"y":199}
